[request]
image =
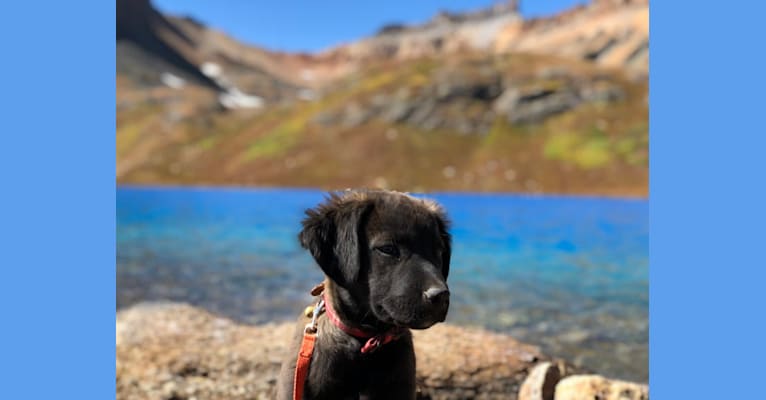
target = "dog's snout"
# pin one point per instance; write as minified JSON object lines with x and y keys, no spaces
{"x":436,"y":294}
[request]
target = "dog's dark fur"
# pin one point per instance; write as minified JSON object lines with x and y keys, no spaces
{"x":380,"y":252}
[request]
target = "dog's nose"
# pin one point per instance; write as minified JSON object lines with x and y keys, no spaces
{"x":436,"y":294}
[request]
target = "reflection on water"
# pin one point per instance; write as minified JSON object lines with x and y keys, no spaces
{"x":568,"y":274}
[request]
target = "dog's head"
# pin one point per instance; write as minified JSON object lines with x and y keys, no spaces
{"x":389,"y":250}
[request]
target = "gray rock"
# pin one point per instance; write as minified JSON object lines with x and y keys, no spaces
{"x":602,"y":92}
{"x":434,"y":122}
{"x":422,"y":112}
{"x":483,"y":90}
{"x":507,"y":101}
{"x":397,"y":111}
{"x":535,"y":104}
{"x":355,"y":115}
{"x":324,"y":118}
{"x":379,"y":100}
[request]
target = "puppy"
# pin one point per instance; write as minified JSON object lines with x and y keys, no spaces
{"x":386,"y":257}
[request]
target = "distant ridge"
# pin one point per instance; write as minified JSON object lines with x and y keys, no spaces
{"x":613,"y":33}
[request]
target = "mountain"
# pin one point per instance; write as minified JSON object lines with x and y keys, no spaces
{"x":151,"y":46}
{"x":484,"y":100}
{"x":608,"y":32}
{"x":148,"y":43}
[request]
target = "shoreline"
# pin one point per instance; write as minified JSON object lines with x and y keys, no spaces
{"x":591,"y":364}
{"x":166,"y":349}
{"x":436,"y":192}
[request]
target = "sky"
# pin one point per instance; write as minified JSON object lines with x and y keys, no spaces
{"x":316,"y":25}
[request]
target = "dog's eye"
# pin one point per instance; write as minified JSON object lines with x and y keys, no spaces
{"x":389,"y":250}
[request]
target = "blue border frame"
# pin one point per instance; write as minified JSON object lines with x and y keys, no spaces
{"x":707,"y":199}
{"x":57,"y":229}
{"x":707,"y":141}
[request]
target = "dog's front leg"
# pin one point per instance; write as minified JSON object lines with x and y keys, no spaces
{"x":392,"y":390}
{"x":403,"y":391}
{"x":394,"y":372}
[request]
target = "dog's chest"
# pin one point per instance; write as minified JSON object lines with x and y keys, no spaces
{"x":339,"y":370}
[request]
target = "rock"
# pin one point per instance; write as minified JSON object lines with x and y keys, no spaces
{"x":602,"y":92}
{"x":398,"y":111}
{"x":172,"y":350}
{"x":534,"y":104}
{"x":506,"y":101}
{"x":588,"y":387}
{"x":468,"y":98}
{"x":379,"y":100}
{"x":422,"y":113}
{"x":459,"y":87}
{"x":355,"y":115}
{"x":541,"y":382}
{"x":324,"y":118}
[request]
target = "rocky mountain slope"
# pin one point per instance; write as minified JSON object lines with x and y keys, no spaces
{"x":478,"y":101}
{"x":151,"y":46}
{"x":608,"y":32}
{"x":148,"y":43}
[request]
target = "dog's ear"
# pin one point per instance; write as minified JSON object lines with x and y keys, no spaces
{"x":443,"y":225}
{"x":318,"y":235}
{"x":332,"y":233}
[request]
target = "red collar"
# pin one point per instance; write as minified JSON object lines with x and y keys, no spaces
{"x":374,"y":340}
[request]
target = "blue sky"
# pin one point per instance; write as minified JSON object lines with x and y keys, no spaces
{"x":316,"y":25}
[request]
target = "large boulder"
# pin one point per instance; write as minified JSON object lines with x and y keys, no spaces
{"x":588,"y":387}
{"x":175,"y":351}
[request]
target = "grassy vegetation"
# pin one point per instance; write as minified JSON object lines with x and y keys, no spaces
{"x":277,"y":140}
{"x":131,"y":125}
{"x":593,"y":148}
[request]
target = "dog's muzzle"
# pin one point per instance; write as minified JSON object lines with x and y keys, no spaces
{"x":437,"y":302}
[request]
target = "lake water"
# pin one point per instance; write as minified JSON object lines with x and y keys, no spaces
{"x":568,"y":274}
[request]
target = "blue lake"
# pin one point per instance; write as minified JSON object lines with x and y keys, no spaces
{"x":568,"y":274}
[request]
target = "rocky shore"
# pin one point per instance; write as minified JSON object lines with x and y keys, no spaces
{"x":171,"y":351}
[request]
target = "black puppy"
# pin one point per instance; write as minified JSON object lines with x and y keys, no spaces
{"x":386,"y":257}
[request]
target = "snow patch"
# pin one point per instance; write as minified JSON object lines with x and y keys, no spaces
{"x":211,"y":70}
{"x":172,"y":81}
{"x":236,"y":99}
{"x":230,"y":97}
